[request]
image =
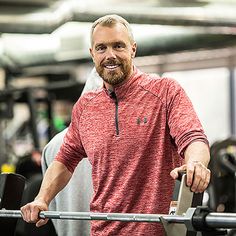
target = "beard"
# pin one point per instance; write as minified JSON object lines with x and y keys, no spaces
{"x":117,"y":75}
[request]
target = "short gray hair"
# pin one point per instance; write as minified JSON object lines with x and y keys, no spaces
{"x":110,"y":20}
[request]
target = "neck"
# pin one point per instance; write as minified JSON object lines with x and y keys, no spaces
{"x":108,"y":86}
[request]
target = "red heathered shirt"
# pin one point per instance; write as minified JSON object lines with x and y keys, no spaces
{"x":132,"y":151}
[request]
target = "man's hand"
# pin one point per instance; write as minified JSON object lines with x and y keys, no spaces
{"x":30,"y":212}
{"x":198,"y":175}
{"x":55,"y":179}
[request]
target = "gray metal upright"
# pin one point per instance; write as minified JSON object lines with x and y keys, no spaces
{"x":232,"y":88}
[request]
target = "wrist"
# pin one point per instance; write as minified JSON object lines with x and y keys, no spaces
{"x":42,"y":199}
{"x":198,"y":162}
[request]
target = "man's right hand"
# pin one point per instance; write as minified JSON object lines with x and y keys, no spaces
{"x":30,"y":212}
{"x":54,"y":180}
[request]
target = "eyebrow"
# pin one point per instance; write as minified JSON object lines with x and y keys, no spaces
{"x":120,"y":42}
{"x":112,"y":43}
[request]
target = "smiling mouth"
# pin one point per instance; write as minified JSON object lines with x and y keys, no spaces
{"x":111,"y":67}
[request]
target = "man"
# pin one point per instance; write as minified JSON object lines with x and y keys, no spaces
{"x":134,"y":131}
{"x":77,"y":194}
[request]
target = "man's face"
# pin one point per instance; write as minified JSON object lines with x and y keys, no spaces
{"x":112,"y":53}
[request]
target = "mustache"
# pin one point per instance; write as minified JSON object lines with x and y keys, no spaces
{"x":111,"y":62}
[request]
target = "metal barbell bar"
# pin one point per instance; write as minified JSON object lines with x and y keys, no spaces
{"x":152,"y":218}
{"x":221,"y":220}
{"x":211,"y":220}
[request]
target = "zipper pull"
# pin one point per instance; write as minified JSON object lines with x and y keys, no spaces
{"x":112,"y":94}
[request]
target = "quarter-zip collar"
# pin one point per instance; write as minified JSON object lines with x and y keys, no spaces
{"x":125,"y":88}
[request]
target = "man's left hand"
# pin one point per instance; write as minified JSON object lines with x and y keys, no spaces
{"x":198,"y":175}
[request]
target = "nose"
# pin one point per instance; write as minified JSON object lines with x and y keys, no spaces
{"x":110,"y":53}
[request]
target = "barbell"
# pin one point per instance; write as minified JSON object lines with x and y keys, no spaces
{"x":128,"y":217}
{"x":193,"y":216}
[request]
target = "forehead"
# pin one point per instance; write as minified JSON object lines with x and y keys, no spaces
{"x":109,"y":34}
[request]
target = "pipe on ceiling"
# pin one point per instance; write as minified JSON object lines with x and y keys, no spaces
{"x":46,"y":20}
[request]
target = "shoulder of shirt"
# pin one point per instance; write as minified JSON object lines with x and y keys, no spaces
{"x":156,"y":84}
{"x":89,"y":96}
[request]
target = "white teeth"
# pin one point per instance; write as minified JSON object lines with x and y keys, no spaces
{"x":111,"y":66}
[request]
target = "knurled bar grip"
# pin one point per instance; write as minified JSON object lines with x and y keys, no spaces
{"x":97,"y":216}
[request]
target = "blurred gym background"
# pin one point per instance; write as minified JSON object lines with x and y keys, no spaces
{"x":44,"y":63}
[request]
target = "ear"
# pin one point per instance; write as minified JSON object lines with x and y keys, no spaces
{"x":134,"y":49}
{"x":91,"y":52}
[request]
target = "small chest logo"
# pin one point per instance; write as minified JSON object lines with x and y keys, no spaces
{"x":141,"y":120}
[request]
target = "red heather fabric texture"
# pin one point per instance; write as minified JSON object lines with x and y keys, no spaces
{"x":130,"y":171}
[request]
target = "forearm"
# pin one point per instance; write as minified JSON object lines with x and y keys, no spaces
{"x":197,"y":152}
{"x":55,"y":179}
